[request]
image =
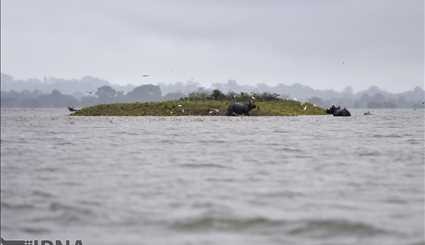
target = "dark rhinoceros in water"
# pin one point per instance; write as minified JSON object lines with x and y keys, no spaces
{"x":342,"y":113}
{"x":237,"y":108}
{"x":338,"y":112}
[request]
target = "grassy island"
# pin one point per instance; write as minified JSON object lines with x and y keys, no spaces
{"x":199,"y":108}
{"x":206,"y":104}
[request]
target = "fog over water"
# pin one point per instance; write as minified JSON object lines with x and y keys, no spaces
{"x":213,"y":180}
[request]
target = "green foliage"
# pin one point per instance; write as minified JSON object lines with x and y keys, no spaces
{"x":200,"y":95}
{"x":217,"y":95}
{"x":241,"y":97}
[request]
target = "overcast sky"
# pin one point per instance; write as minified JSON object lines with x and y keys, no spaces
{"x":322,"y":44}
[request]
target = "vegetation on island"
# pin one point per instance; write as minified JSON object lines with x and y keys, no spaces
{"x":203,"y":104}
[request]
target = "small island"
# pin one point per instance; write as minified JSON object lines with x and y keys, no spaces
{"x":203,"y":104}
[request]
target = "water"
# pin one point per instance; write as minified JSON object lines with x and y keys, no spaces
{"x":213,"y":180}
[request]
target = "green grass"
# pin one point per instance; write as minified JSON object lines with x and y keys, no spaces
{"x":198,"y":108}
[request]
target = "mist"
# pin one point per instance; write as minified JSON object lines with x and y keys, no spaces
{"x":323,"y":44}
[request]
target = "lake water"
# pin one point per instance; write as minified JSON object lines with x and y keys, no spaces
{"x":213,"y":180}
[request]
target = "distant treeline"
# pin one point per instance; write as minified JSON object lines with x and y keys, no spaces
{"x":87,"y":91}
{"x":102,"y":95}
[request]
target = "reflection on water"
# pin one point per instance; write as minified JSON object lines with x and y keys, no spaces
{"x":213,"y":180}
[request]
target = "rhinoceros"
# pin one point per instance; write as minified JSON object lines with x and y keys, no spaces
{"x":237,"y":108}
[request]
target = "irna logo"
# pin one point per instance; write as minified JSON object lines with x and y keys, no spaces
{"x":41,"y":242}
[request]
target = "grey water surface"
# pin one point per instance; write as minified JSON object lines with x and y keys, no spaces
{"x":213,"y":180}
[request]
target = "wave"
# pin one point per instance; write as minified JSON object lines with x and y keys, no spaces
{"x":369,"y":154}
{"x":35,"y":230}
{"x":223,"y":223}
{"x":203,"y":165}
{"x":310,"y":228}
{"x":65,"y":214}
{"x":334,"y":227}
{"x":17,"y":206}
{"x":42,"y":194}
{"x":390,"y":135}
{"x":289,"y":149}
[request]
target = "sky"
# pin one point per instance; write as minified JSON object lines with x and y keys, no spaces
{"x":325,"y":44}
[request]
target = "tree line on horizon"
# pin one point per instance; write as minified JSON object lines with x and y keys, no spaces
{"x":151,"y":93}
{"x":28,"y":93}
